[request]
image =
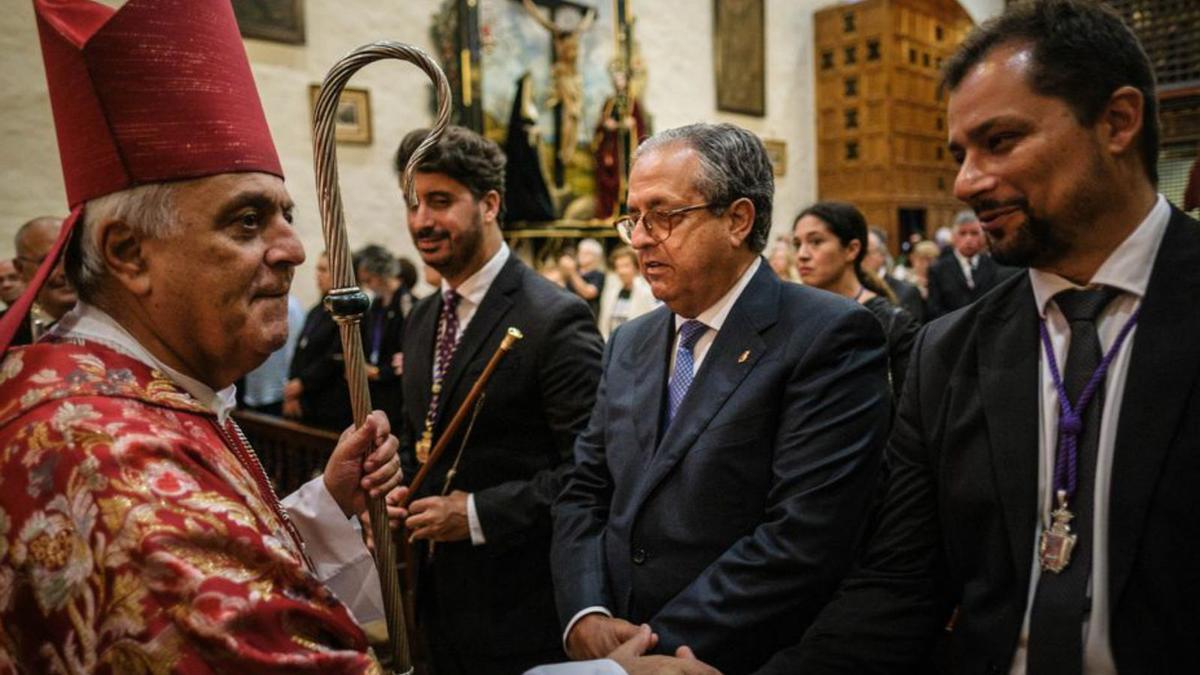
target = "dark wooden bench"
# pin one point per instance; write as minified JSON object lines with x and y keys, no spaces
{"x":291,"y":453}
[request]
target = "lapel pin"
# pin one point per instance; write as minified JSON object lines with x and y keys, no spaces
{"x":745,"y":355}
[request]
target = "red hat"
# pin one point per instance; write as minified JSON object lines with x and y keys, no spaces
{"x":159,"y":90}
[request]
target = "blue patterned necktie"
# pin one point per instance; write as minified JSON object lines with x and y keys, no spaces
{"x":689,"y":334}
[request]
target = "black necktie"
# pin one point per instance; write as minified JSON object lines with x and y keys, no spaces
{"x":1062,"y":603}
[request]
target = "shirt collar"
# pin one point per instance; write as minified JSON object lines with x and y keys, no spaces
{"x":476,"y":286}
{"x":963,"y":261}
{"x":714,"y":317}
{"x":88,"y":322}
{"x":1127,"y":268}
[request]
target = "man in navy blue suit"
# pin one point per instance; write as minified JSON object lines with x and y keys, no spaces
{"x":727,"y":470}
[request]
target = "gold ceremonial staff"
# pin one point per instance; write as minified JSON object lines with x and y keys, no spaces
{"x":474,"y":396}
{"x":347,"y":302}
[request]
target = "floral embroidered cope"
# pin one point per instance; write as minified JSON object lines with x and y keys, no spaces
{"x":133,"y":540}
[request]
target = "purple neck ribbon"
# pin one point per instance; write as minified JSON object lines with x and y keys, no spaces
{"x":1070,"y":418}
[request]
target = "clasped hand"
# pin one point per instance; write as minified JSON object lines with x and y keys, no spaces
{"x":437,"y":518}
{"x":598,"y":636}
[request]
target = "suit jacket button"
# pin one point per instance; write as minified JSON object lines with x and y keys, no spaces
{"x":639,"y":556}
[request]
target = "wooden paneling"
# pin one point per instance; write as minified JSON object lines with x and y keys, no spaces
{"x":880,"y":114}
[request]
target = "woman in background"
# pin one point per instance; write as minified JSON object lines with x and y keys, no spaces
{"x":626,"y":294}
{"x":831,"y":241}
{"x":923,"y":254}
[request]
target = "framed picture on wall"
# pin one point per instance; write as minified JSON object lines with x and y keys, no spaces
{"x":353,"y":121}
{"x":274,"y":20}
{"x":739,"y":56}
{"x":777,"y":153}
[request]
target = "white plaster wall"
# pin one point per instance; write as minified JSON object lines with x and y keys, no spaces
{"x":399,"y":103}
{"x":676,"y":38}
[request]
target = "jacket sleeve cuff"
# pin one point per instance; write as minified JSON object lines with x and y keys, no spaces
{"x":473,"y":523}
{"x":595,"y":609}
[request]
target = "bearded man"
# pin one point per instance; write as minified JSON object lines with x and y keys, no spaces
{"x":1043,"y":460}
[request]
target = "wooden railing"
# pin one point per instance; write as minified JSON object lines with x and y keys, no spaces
{"x":291,"y":453}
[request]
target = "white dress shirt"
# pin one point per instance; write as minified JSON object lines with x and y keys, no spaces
{"x":713,"y":317}
{"x":1128,"y":269}
{"x":332,"y":541}
{"x":471,"y":292}
{"x":967,"y":265}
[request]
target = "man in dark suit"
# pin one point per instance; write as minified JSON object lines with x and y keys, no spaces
{"x":484,"y":596}
{"x":967,"y":272}
{"x":999,"y":456}
{"x":383,"y":326}
{"x":316,"y":391}
{"x":723,"y":481}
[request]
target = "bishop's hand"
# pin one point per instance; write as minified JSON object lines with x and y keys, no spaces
{"x":365,"y":461}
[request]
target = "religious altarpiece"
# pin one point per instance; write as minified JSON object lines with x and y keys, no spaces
{"x":557,"y":84}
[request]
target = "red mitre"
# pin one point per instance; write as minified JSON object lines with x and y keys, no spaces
{"x":159,"y":90}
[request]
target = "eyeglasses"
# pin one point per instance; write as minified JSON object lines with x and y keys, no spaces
{"x":658,"y":222}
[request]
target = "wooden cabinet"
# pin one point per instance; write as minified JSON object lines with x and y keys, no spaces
{"x":881,"y":117}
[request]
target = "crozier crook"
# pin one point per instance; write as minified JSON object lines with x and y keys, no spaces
{"x":347,"y":302}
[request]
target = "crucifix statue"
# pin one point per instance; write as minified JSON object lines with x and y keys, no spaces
{"x":568,"y":83}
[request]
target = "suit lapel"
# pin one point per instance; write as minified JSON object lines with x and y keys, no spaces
{"x":985,"y":273}
{"x":496,"y":303}
{"x":419,"y":366}
{"x":650,"y":378}
{"x":720,"y":374}
{"x":960,"y":279}
{"x":1162,"y":369}
{"x":1008,"y":384}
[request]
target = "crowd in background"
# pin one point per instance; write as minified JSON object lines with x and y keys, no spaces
{"x":831,"y":247}
{"x":749,"y":475}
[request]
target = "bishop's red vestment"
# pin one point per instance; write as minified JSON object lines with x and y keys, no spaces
{"x":137,"y":534}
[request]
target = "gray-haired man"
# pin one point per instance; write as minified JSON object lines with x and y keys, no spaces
{"x":719,"y":493}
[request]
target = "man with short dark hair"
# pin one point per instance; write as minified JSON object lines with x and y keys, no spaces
{"x":1043,"y":463}
{"x":481,"y":519}
{"x":726,"y":474}
{"x":967,"y":272}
